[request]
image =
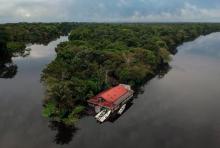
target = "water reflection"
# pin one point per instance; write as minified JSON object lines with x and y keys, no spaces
{"x":115,"y":117}
{"x":163,"y":70}
{"x":64,"y":134}
{"x":22,"y":53}
{"x":7,"y":68}
{"x":21,"y":99}
{"x":204,"y":46}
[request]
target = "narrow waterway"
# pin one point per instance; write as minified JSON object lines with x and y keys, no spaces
{"x":179,"y":110}
{"x":21,"y":97}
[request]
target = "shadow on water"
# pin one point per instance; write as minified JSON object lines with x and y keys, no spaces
{"x":115,"y":117}
{"x":163,"y":70}
{"x":64,"y":134}
{"x":7,"y":68}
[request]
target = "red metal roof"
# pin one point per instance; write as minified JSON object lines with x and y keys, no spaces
{"x":110,"y":96}
{"x":113,"y":94}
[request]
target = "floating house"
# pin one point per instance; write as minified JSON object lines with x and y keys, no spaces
{"x":111,"y":101}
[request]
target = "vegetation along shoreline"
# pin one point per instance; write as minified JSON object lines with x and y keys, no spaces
{"x":96,"y":57}
{"x":99,"y":56}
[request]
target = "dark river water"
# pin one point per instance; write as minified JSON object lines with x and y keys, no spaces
{"x":179,"y":110}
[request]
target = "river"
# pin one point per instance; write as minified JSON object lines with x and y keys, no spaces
{"x":178,"y":110}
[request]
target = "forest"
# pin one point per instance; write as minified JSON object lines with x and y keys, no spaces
{"x":98,"y":56}
{"x":14,"y":37}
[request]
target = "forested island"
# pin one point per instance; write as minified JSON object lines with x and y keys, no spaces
{"x":98,"y":56}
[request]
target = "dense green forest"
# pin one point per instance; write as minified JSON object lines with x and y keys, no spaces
{"x":14,"y":37}
{"x":98,"y":56}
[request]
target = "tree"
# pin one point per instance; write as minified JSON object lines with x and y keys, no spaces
{"x":164,"y":55}
{"x":3,"y":39}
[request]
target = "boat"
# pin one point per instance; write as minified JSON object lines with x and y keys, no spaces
{"x":111,"y":101}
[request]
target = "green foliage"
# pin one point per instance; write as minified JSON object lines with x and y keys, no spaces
{"x":15,"y":46}
{"x":133,"y":75}
{"x":164,"y":55}
{"x":145,"y":56}
{"x":69,"y":117}
{"x":36,"y":32}
{"x":101,"y":55}
{"x":49,"y":109}
{"x":3,"y":39}
{"x":73,"y":116}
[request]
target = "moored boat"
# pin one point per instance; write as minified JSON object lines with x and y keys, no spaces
{"x":111,"y":101}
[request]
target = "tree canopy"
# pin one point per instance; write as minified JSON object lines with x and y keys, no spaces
{"x":98,"y":56}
